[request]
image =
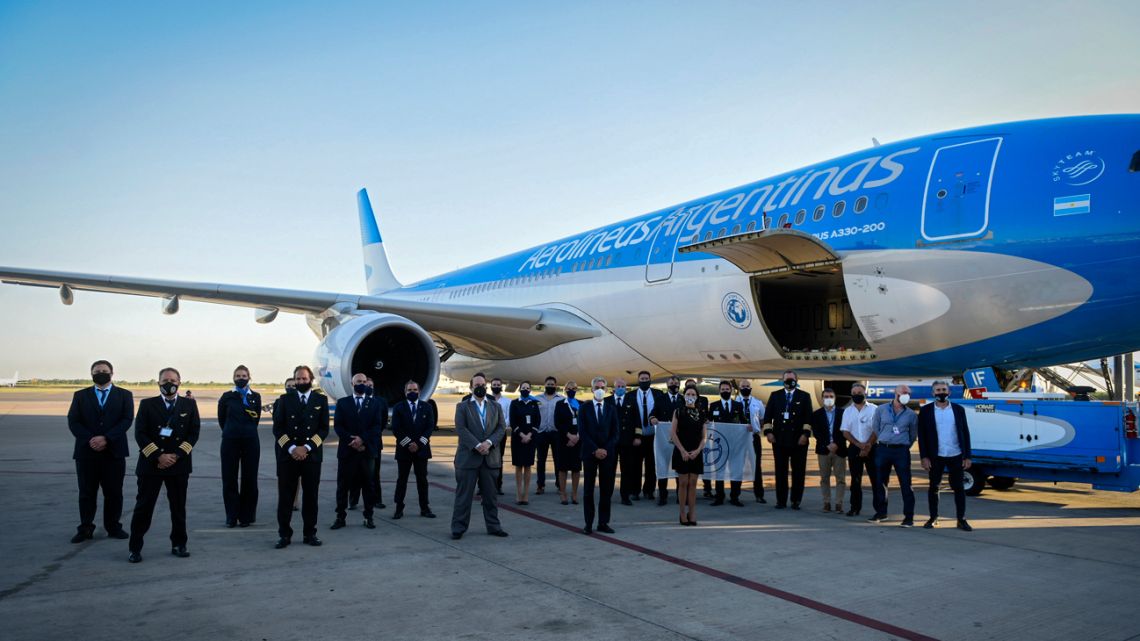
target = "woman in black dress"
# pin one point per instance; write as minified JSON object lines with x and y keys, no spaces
{"x":688,"y":436}
{"x":524,"y":417}
{"x":567,"y":449}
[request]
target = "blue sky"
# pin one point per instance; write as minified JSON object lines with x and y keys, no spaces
{"x":225,"y":141}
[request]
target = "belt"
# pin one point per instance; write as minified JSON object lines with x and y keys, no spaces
{"x":893,"y":445}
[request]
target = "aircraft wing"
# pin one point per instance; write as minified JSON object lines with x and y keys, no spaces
{"x":481,"y":331}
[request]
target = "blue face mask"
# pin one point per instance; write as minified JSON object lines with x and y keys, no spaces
{"x":524,"y":393}
{"x":360,"y":388}
{"x":619,"y":392}
{"x":413,"y":396}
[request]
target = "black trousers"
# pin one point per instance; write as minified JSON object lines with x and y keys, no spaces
{"x":106,"y":473}
{"x":856,"y":467}
{"x":953,"y":467}
{"x":503,"y":449}
{"x":734,"y":490}
{"x":649,"y":465}
{"x":638,"y":469}
{"x":149,"y":487}
{"x":544,"y":445}
{"x":403,"y":467}
{"x":758,"y":479}
{"x":794,"y":456}
{"x":354,"y":474}
{"x":602,"y":472}
{"x":354,"y":494}
{"x":240,"y":458}
{"x":289,"y":471}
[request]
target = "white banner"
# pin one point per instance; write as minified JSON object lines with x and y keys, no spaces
{"x":728,"y":453}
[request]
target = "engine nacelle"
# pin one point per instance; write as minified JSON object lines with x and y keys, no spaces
{"x":390,"y":349}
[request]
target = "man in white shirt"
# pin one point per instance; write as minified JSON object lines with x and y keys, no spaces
{"x":944,"y":445}
{"x":753,"y":413}
{"x":856,"y":428}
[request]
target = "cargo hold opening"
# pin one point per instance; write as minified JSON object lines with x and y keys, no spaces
{"x":808,"y":316}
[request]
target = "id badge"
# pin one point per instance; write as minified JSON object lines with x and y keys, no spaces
{"x":896,"y":429}
{"x":787,"y":416}
{"x":716,"y":412}
{"x":528,"y":420}
{"x":574,"y":421}
{"x":166,"y":431}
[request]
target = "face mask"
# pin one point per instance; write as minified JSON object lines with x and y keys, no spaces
{"x":303,"y":387}
{"x":240,"y":383}
{"x":480,"y":391}
{"x":550,"y":390}
{"x":690,"y":400}
{"x":496,"y":390}
{"x":746,"y":392}
{"x":170,"y":389}
{"x":790,"y":383}
{"x":643,"y":386}
{"x":942,"y":397}
{"x":904,"y":399}
{"x":413,"y":396}
{"x":524,"y":393}
{"x":673,"y":388}
{"x":101,"y":378}
{"x":360,"y":388}
{"x":619,"y":392}
{"x":369,"y":392}
{"x":858,"y":398}
{"x":571,"y":393}
{"x":726,"y":395}
{"x":829,"y":402}
{"x":599,"y":394}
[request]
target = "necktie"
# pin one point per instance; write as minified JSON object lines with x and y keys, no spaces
{"x":359,"y":403}
{"x":644,"y":410}
{"x":102,"y":396}
{"x":599,"y":410}
{"x":303,"y":400}
{"x":413,"y":406}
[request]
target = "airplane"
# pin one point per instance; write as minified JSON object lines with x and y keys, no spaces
{"x":10,"y":382}
{"x":1007,"y":245}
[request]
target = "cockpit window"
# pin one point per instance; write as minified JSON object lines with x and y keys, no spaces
{"x":1134,"y":166}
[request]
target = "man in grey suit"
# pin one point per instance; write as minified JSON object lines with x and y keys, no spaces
{"x":480,"y":426}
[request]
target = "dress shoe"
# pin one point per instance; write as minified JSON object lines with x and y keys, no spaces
{"x":839,"y":508}
{"x":540,"y":490}
{"x":369,"y":524}
{"x":649,"y":496}
{"x":337,"y":524}
{"x":81,"y":537}
{"x":134,"y":557}
{"x":118,"y":534}
{"x":690,"y":523}
{"x":380,"y":506}
{"x":708,"y":494}
{"x":735,"y":502}
{"x":566,"y":502}
{"x":930,"y":523}
{"x":231,"y":524}
{"x":574,"y":501}
{"x":587,"y":530}
{"x":282,"y":543}
{"x":399,"y":513}
{"x":852,"y":512}
{"x":179,"y":551}
{"x":795,"y":506}
{"x":605,"y":528}
{"x":352,"y":506}
{"x":626,"y":501}
{"x":500,"y":491}
{"x":635,"y":497}
{"x":662,"y":500}
{"x":780,"y":507}
{"x":760,"y":499}
{"x":427,"y":514}
{"x":243,"y":524}
{"x":717,"y":502}
{"x":826,"y":507}
{"x":907,"y":523}
{"x":964,"y":526}
{"x":455,"y":536}
{"x":499,"y":533}
{"x":311,"y":540}
{"x":877,"y":517}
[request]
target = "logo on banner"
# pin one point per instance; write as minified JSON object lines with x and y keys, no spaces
{"x":717,"y":452}
{"x":1078,"y":168}
{"x":735,"y":310}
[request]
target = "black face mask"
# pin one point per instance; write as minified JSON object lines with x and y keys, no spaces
{"x":496,"y":390}
{"x":550,"y":389}
{"x":674,"y":388}
{"x":726,"y":395}
{"x":170,"y":389}
{"x":858,"y":398}
{"x":746,"y":392}
{"x":480,"y":391}
{"x":303,"y":387}
{"x":101,"y":378}
{"x":240,"y":383}
{"x":941,"y":397}
{"x":360,"y":388}
{"x":790,"y":383}
{"x":369,"y":392}
{"x":643,"y":386}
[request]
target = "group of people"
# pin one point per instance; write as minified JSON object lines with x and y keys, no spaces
{"x":595,"y":435}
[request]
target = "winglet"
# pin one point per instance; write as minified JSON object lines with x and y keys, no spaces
{"x":377,"y":272}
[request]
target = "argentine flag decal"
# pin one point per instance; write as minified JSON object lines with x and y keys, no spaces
{"x":1069,"y":205}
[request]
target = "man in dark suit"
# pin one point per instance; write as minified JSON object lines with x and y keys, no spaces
{"x":413,"y":422}
{"x":787,"y":426}
{"x":727,"y":410}
{"x":358,"y":422}
{"x":479,"y":425}
{"x":300,"y":425}
{"x":354,"y":492}
{"x":599,"y":430}
{"x":642,"y":410}
{"x":830,"y":450}
{"x":944,"y":444}
{"x":671,"y":400}
{"x":166,"y":431}
{"x":99,"y":418}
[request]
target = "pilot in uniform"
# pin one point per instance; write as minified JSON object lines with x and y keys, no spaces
{"x":300,"y":422}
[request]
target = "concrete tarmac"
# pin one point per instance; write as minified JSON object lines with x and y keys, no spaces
{"x":1044,"y":562}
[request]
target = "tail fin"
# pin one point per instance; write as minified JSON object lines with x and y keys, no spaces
{"x":377,"y":272}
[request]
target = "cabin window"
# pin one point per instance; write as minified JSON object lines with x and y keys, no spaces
{"x":801,"y":216}
{"x":722,"y":233}
{"x":609,"y":260}
{"x":817,"y":215}
{"x":752,"y":225}
{"x":783,"y":221}
{"x":767,"y":222}
{"x":837,"y":211}
{"x":736,"y":229}
{"x":860,"y":204}
{"x":708,"y":235}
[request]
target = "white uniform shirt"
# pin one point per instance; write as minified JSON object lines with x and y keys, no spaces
{"x":858,"y":421}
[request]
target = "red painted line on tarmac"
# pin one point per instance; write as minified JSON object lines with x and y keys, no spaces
{"x":755,"y":586}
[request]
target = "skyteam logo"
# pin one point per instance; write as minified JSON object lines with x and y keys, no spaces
{"x":735,"y":310}
{"x":1078,"y":168}
{"x":716,"y":453}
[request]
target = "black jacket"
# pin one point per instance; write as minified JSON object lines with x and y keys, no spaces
{"x":408,"y":430}
{"x":819,"y":431}
{"x":159,"y":431}
{"x":730,"y":411}
{"x":928,"y":431}
{"x":599,"y":435}
{"x":368,"y":423}
{"x":787,"y":432}
{"x":86,"y":419}
{"x":301,"y":426}
{"x":524,"y":416}
{"x":239,"y":419}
